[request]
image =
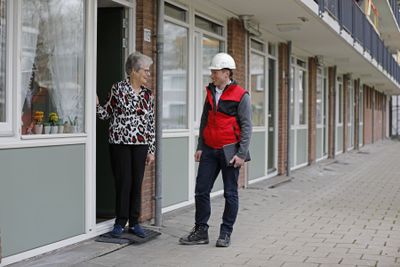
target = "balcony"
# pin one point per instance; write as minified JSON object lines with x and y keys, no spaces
{"x":352,"y":20}
{"x":389,"y":23}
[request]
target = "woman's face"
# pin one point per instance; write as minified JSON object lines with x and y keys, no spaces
{"x":142,"y":75}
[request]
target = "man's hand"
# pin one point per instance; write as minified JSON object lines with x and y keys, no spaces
{"x":150,"y":159}
{"x":197,"y":155}
{"x":236,"y":162}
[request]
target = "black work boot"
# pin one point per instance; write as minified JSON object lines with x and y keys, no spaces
{"x":224,"y":240}
{"x":198,"y":236}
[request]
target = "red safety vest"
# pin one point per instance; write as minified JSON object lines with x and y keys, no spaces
{"x":222,"y":127}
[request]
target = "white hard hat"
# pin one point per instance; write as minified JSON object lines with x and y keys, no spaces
{"x":222,"y":61}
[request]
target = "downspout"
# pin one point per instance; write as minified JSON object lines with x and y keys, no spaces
{"x":288,"y":84}
{"x":159,"y":116}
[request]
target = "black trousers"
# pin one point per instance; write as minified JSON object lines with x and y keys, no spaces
{"x":128,"y":164}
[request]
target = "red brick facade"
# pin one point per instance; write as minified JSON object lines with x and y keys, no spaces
{"x":236,"y":42}
{"x":346,"y":81}
{"x":146,"y":19}
{"x":356,"y":113}
{"x":312,"y":109}
{"x":282,"y":107}
{"x":331,"y":111}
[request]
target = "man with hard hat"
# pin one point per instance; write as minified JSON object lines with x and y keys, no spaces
{"x":226,"y":119}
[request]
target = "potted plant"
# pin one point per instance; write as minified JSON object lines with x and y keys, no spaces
{"x":60,"y":126}
{"x":73,"y":123}
{"x":47,"y":127}
{"x":53,"y":120}
{"x":38,"y":119}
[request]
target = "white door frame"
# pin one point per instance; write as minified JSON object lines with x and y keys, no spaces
{"x":91,"y":225}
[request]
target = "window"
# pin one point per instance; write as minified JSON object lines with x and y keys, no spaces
{"x":175,"y":75}
{"x":302,"y":97}
{"x":208,"y":42}
{"x":3,"y":33}
{"x":298,"y":92}
{"x":209,"y":26}
{"x":175,"y":12}
{"x":320,"y":97}
{"x":340,"y":104}
{"x":257,"y":79}
{"x":52,"y":68}
{"x":292,"y":95}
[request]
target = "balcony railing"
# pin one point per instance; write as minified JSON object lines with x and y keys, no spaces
{"x":395,"y":9}
{"x":353,"y":20}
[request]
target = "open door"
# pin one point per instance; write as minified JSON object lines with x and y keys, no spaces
{"x":111,"y":54}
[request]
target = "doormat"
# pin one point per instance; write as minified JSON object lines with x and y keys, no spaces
{"x":128,"y":238}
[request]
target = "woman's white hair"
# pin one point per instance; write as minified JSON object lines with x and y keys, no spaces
{"x":136,"y":61}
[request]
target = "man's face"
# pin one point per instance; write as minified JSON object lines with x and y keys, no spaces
{"x":220,"y":77}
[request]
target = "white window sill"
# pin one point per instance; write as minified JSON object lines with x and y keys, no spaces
{"x":52,"y":136}
{"x":41,"y":140}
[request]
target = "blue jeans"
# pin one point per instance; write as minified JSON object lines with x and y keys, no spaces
{"x":211,"y":163}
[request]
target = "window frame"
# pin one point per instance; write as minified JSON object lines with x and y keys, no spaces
{"x":264,"y":54}
{"x":295,"y":115}
{"x":7,"y":127}
{"x":185,"y":24}
{"x":198,"y":35}
{"x":86,"y":67}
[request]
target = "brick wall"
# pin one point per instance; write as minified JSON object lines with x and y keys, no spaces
{"x":146,"y":19}
{"x":331,"y":111}
{"x":367,"y":115}
{"x":356,"y":113}
{"x":346,"y":81}
{"x":312,"y":109}
{"x":282,"y":107}
{"x":236,"y":43}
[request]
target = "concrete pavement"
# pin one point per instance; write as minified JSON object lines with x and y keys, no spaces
{"x":342,"y":212}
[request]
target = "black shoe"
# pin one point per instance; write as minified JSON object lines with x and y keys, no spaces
{"x":224,"y":240}
{"x":198,"y":236}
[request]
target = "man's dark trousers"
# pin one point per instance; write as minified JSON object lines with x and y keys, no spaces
{"x":212,"y":161}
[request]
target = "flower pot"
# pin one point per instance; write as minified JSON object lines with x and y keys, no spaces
{"x":47,"y":129}
{"x":54,"y":129}
{"x":38,"y":129}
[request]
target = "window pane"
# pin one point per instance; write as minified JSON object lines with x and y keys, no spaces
{"x":319,"y":99}
{"x":340,"y":103}
{"x":209,"y":26}
{"x":175,"y":75}
{"x":175,"y":12}
{"x":2,"y":60}
{"x":257,"y":78}
{"x":204,"y":53}
{"x":52,"y":69}
{"x":257,"y":45}
{"x":271,"y":92}
{"x":292,"y":95}
{"x":302,"y":97}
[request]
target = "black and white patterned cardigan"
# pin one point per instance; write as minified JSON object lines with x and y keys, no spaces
{"x":131,"y":115}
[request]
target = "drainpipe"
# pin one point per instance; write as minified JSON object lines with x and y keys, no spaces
{"x":159,"y":98}
{"x":288,"y":81}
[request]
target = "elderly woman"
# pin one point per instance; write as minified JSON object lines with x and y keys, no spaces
{"x":130,"y":109}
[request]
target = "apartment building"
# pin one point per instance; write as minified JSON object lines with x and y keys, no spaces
{"x":320,"y":74}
